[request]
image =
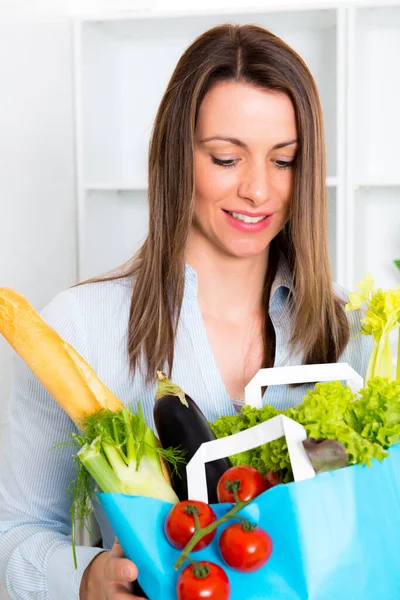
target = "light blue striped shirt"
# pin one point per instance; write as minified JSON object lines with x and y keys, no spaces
{"x":35,"y":551}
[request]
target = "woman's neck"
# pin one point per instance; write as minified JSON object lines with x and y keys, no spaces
{"x":228,"y":287}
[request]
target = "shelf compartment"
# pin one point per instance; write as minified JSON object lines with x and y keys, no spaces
{"x":142,"y":185}
{"x":374,"y":183}
{"x":376,"y":235}
{"x":126,"y":66}
{"x":377,"y":91}
{"x":116,"y":225}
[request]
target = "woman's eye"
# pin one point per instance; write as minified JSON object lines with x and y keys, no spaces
{"x":283,"y":164}
{"x":223,"y":163}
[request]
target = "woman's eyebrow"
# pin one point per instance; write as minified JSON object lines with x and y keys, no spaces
{"x":241,"y":144}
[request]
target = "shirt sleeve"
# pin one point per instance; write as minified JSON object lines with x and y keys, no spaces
{"x":35,"y":525}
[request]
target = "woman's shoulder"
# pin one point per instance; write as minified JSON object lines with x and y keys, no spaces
{"x":90,"y":311}
{"x":91,"y":297}
{"x":358,"y":349}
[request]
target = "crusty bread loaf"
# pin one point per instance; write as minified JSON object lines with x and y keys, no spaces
{"x":62,"y":371}
{"x":59,"y":367}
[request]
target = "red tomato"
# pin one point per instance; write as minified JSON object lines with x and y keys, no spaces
{"x":245,"y":550}
{"x":180,"y":525}
{"x":214,"y":586}
{"x":272,"y":479}
{"x":252,"y":484}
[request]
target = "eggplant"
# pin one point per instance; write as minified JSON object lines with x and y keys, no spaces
{"x":180,"y":423}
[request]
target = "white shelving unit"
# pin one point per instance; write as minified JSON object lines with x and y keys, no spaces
{"x":373,"y":177}
{"x":123,"y":63}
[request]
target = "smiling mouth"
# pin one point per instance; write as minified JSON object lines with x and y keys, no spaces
{"x":246,"y":218}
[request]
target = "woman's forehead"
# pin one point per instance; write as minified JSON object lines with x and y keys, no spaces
{"x":247,"y":113}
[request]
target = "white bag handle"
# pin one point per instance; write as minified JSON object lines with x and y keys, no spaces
{"x":300,"y":374}
{"x":247,"y":440}
{"x":269,"y":430}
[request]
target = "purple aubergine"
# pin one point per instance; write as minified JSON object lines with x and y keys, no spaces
{"x":181,"y":424}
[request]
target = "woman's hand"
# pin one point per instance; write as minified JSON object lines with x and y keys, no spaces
{"x":109,"y":577}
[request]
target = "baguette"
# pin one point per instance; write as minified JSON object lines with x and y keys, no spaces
{"x":58,"y":366}
{"x":62,"y":371}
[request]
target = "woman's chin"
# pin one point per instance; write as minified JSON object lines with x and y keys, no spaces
{"x":245,"y":249}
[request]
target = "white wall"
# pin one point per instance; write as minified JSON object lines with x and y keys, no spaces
{"x":37,"y":202}
{"x":46,"y":8}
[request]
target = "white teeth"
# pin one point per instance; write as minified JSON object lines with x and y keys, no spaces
{"x":246,"y":218}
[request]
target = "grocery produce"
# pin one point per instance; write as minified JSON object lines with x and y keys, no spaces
{"x":63,"y":372}
{"x":325,"y":454}
{"x":375,"y":415}
{"x":115,"y":446}
{"x":381,"y":318}
{"x":181,"y":424}
{"x":330,"y":411}
{"x":272,"y":479}
{"x":118,"y":452}
{"x":122,"y":455}
{"x":203,"y":580}
{"x":184,"y":519}
{"x":192,"y":525}
{"x":245,"y":547}
{"x":252,"y":484}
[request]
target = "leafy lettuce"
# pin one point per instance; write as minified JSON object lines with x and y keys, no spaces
{"x":376,"y":414}
{"x":366,"y":425}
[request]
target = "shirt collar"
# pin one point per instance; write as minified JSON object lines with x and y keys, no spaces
{"x":283,"y":279}
{"x":191,"y":281}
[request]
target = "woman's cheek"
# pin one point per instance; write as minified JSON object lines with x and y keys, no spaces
{"x":213,"y":183}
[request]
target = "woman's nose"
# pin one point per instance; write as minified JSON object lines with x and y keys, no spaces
{"x":254,"y":185}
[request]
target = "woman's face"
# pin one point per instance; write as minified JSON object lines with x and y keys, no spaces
{"x":243,"y":181}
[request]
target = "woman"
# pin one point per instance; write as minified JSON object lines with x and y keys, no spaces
{"x":234,"y":276}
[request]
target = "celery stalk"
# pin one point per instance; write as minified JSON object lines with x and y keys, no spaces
{"x":398,"y":356}
{"x":383,"y":364}
{"x":371,"y":363}
{"x":381,"y":317}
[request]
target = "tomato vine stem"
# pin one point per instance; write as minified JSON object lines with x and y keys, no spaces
{"x":203,"y":531}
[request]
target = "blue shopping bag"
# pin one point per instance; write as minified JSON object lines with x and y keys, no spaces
{"x":335,"y":535}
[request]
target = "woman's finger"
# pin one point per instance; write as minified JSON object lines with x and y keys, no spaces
{"x":119,"y":568}
{"x":116,"y":550}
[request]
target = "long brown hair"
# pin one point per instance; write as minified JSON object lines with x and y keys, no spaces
{"x":252,"y":55}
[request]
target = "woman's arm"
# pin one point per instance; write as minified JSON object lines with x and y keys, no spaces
{"x":36,"y":556}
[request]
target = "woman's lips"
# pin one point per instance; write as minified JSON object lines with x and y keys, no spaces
{"x":248,"y":227}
